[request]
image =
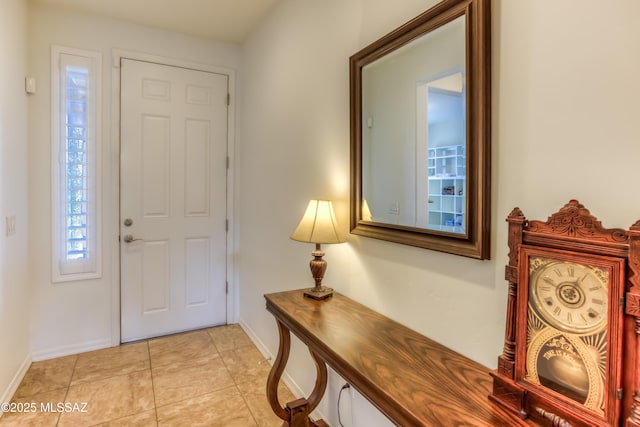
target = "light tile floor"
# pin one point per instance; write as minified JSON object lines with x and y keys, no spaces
{"x":209,"y":377}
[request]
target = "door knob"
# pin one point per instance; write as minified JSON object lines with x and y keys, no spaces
{"x":128,"y":238}
{"x":128,"y":222}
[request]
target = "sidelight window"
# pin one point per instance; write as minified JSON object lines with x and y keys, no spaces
{"x":76,"y":88}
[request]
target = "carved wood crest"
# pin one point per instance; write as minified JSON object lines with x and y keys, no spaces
{"x":573,"y":220}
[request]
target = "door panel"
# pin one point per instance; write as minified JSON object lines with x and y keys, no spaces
{"x":173,"y":189}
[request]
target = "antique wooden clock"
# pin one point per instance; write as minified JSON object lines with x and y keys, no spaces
{"x":572,"y":342}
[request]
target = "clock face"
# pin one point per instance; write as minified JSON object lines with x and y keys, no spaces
{"x":569,"y":296}
{"x":567,"y":329}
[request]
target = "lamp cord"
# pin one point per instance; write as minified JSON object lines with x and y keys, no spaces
{"x":346,"y":385}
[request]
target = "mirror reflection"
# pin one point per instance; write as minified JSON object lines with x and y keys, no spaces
{"x":414,"y":140}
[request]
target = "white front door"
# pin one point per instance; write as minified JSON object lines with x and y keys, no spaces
{"x":173,"y":172}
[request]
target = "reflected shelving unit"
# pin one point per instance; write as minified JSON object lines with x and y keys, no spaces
{"x":447,"y":171}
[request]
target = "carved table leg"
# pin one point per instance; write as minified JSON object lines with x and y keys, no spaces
{"x":276,"y":372}
{"x":321,"y":382}
{"x":296,"y":414}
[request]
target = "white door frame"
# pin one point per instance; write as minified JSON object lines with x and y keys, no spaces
{"x":114,"y":157}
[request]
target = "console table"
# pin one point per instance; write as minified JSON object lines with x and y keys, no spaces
{"x":412,"y":379}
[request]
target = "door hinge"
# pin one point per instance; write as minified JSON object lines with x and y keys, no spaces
{"x":226,"y":288}
{"x":228,"y":162}
{"x":226,"y":225}
{"x":228,"y":99}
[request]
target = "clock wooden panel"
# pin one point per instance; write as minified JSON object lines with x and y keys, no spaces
{"x":571,"y":350}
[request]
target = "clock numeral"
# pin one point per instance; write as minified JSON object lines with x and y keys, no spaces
{"x":548,"y":280}
{"x":570,"y":271}
{"x":557,"y":270}
{"x":592,"y":313}
{"x":584,"y":318}
{"x":557,"y":311}
{"x":548,"y":301}
{"x":597,"y":301}
{"x":595,"y":288}
{"x":569,"y":318}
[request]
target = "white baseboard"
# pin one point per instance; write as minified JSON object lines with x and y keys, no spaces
{"x":66,"y":350}
{"x":257,"y":341}
{"x":269,"y":357}
{"x":15,"y":381}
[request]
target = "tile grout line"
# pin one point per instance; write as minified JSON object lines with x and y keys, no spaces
{"x":153,"y":388}
{"x":235,"y":382}
{"x":205,"y":330}
{"x":66,"y":394}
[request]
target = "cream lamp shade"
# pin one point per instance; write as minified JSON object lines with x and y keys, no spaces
{"x":318,"y":225}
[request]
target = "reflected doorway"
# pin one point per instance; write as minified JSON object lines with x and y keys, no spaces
{"x":442,"y":162}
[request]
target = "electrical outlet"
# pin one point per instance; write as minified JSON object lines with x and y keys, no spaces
{"x":11,"y":225}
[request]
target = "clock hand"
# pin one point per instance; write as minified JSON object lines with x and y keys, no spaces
{"x":579,"y":280}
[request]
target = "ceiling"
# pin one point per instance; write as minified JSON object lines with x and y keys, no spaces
{"x":221,"y":20}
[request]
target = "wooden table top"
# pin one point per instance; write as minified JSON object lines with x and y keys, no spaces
{"x":412,"y":379}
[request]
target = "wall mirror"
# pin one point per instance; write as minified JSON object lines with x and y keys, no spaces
{"x":420,"y":132}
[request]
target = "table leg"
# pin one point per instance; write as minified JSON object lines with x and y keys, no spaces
{"x":276,"y":372}
{"x":297,"y":412}
{"x":321,"y":382}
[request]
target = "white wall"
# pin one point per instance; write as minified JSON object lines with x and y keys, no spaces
{"x":78,"y":316}
{"x":14,"y":283}
{"x":565,"y":125}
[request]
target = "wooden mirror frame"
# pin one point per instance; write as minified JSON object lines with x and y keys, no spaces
{"x":475,"y":242}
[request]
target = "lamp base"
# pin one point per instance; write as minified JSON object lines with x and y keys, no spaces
{"x":319,"y":292}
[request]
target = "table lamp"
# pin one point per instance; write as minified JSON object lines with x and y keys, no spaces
{"x":318,"y":225}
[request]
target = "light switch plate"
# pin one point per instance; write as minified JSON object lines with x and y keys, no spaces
{"x":394,"y":208}
{"x":11,"y":225}
{"x":30,"y":85}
